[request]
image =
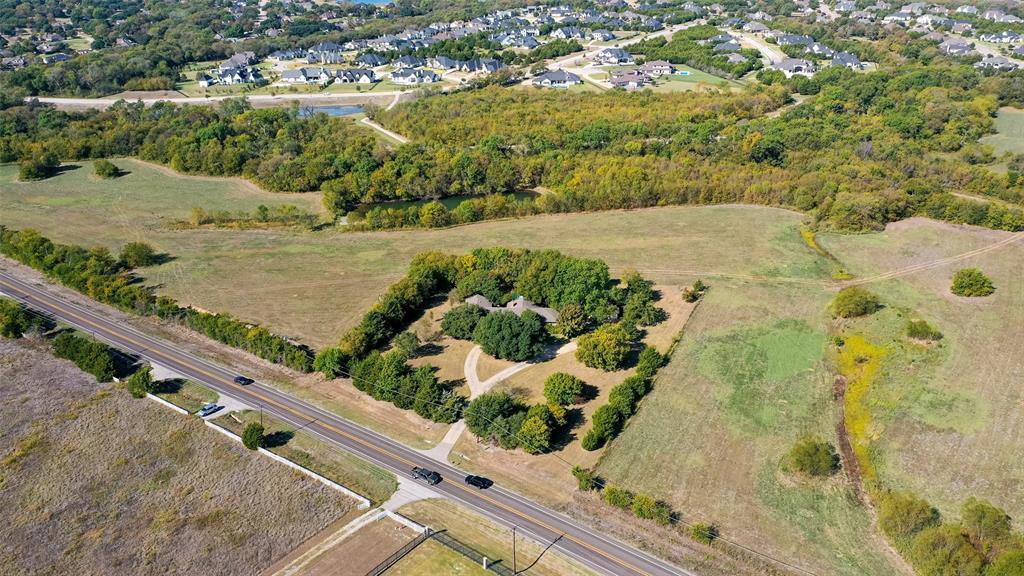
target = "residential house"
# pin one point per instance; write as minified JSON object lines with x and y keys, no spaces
{"x":237,"y":60}
{"x":484,"y":65}
{"x":305,"y":76}
{"x":516,"y":306}
{"x":1004,"y":37}
{"x":755,"y":28}
{"x":556,"y":79}
{"x":847,"y":60}
{"x":903,"y":18}
{"x":409,"y":62}
{"x":602,"y":35}
{"x":372,"y":60}
{"x":820,"y":50}
{"x":726,"y":47}
{"x":794,"y":66}
{"x":1000,"y":63}
{"x":355,"y":76}
{"x":443,"y":63}
{"x":736,"y":58}
{"x":628,"y":80}
{"x":413,"y":76}
{"x":794,"y":40}
{"x":954,"y":47}
{"x":568,"y":33}
{"x":656,"y":68}
{"x":611,"y":56}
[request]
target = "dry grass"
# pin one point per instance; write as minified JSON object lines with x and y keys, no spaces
{"x":485,"y":537}
{"x":359,"y":553}
{"x":950,"y":424}
{"x":115,"y":484}
{"x":326,"y":460}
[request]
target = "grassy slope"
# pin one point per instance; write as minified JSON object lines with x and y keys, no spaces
{"x":106,"y":483}
{"x":748,"y":378}
{"x":951,"y":425}
{"x":1010,"y":132}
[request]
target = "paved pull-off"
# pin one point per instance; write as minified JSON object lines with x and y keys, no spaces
{"x":602,"y":553}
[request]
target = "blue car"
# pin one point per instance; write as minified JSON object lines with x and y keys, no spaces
{"x":208,"y":409}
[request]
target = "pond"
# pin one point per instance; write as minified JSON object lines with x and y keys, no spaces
{"x":307,"y":111}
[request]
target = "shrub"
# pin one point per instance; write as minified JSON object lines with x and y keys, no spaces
{"x":623,"y":399}
{"x":563,"y":389}
{"x":813,"y":457}
{"x":14,"y":319}
{"x":141,"y":382}
{"x":972,"y":282}
{"x":252,"y":435}
{"x":605,"y":348}
{"x":38,"y":166}
{"x":509,"y":337}
{"x":1007,"y":564}
{"x":854,"y":301}
{"x":331,"y":362}
{"x":584,"y":478}
{"x":461,"y":321}
{"x":483,"y":413}
{"x":921,"y":330}
{"x":407,"y":343}
{"x":695,"y":292}
{"x":943,"y":550}
{"x":648,"y":362}
{"x":662,"y":514}
{"x":592,"y":440}
{"x":90,"y":356}
{"x":535,"y":435}
{"x":618,"y":497}
{"x":704,"y":533}
{"x":644,"y":506}
{"x":984,"y":524}
{"x":106,"y":169}
{"x":138,"y":254}
{"x":901,"y":515}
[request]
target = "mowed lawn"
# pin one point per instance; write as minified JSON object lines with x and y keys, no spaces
{"x":1009,"y":135}
{"x":315,"y":285}
{"x":749,"y":377}
{"x":951,"y":426}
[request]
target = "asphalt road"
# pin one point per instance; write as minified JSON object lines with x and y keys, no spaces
{"x":599,"y":552}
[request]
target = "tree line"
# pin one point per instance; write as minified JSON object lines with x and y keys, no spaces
{"x":97,"y":274}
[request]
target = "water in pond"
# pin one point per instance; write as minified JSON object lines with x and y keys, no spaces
{"x":330,"y":110}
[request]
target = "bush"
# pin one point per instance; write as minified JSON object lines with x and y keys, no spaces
{"x":252,"y":435}
{"x":15,"y":320}
{"x":1008,"y":564}
{"x":854,"y":301}
{"x":141,"y":382}
{"x":509,"y":337}
{"x":695,"y":292}
{"x":585,"y":478}
{"x":138,"y":254}
{"x":944,"y":550}
{"x":921,"y":330}
{"x":605,"y":348}
{"x":984,"y":524}
{"x":563,"y":389}
{"x":90,"y":356}
{"x":535,"y":435}
{"x":663,"y":514}
{"x":407,"y":343}
{"x":704,"y":533}
{"x":644,"y":506}
{"x":592,"y":440}
{"x":106,"y":169}
{"x":648,"y":362}
{"x":486,"y":416}
{"x":813,"y":457}
{"x":901,"y":515}
{"x":572,"y":321}
{"x":38,"y":166}
{"x":972,"y":282}
{"x":461,"y":321}
{"x":618,"y":497}
{"x":331,"y":362}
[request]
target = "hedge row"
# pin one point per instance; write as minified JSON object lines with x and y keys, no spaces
{"x":609,"y":419}
{"x":100,"y":276}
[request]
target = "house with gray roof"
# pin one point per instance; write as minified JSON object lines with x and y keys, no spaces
{"x":516,"y":306}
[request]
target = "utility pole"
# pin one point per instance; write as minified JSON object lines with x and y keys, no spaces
{"x":261,"y":415}
{"x":514,"y":570}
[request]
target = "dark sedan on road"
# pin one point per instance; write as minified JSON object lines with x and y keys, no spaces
{"x":243,"y":381}
{"x":428,"y":476}
{"x":479,"y":481}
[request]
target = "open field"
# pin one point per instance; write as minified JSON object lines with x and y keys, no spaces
{"x":485,"y":537}
{"x":1010,"y":132}
{"x":748,"y":378}
{"x":309,"y":452}
{"x":186,"y":394}
{"x":360,"y":552}
{"x":434,"y":558}
{"x":313,"y":286}
{"x":95,"y":482}
{"x":948,"y":421}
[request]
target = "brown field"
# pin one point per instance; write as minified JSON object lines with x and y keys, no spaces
{"x":96,"y":482}
{"x":360,"y":552}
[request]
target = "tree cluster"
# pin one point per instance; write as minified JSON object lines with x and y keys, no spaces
{"x":390,"y":378}
{"x":15,"y":320}
{"x":972,"y":282}
{"x":501,"y":418}
{"x":853,"y":302}
{"x":687,"y":47}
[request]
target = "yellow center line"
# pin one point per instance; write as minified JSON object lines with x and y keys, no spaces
{"x":191,"y":364}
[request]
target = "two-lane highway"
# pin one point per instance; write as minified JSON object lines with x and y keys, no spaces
{"x":599,"y":552}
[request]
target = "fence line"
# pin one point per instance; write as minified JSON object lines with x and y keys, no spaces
{"x":493,"y":565}
{"x":399,"y":554}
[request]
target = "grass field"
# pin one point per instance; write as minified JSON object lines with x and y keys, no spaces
{"x":95,"y":481}
{"x":948,"y":421}
{"x":187,"y":395}
{"x":326,"y":460}
{"x":1010,"y":132}
{"x":482,"y":535}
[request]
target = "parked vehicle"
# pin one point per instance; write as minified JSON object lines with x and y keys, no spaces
{"x":208,"y":409}
{"x":243,"y":381}
{"x":479,"y":481}
{"x":428,"y":476}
